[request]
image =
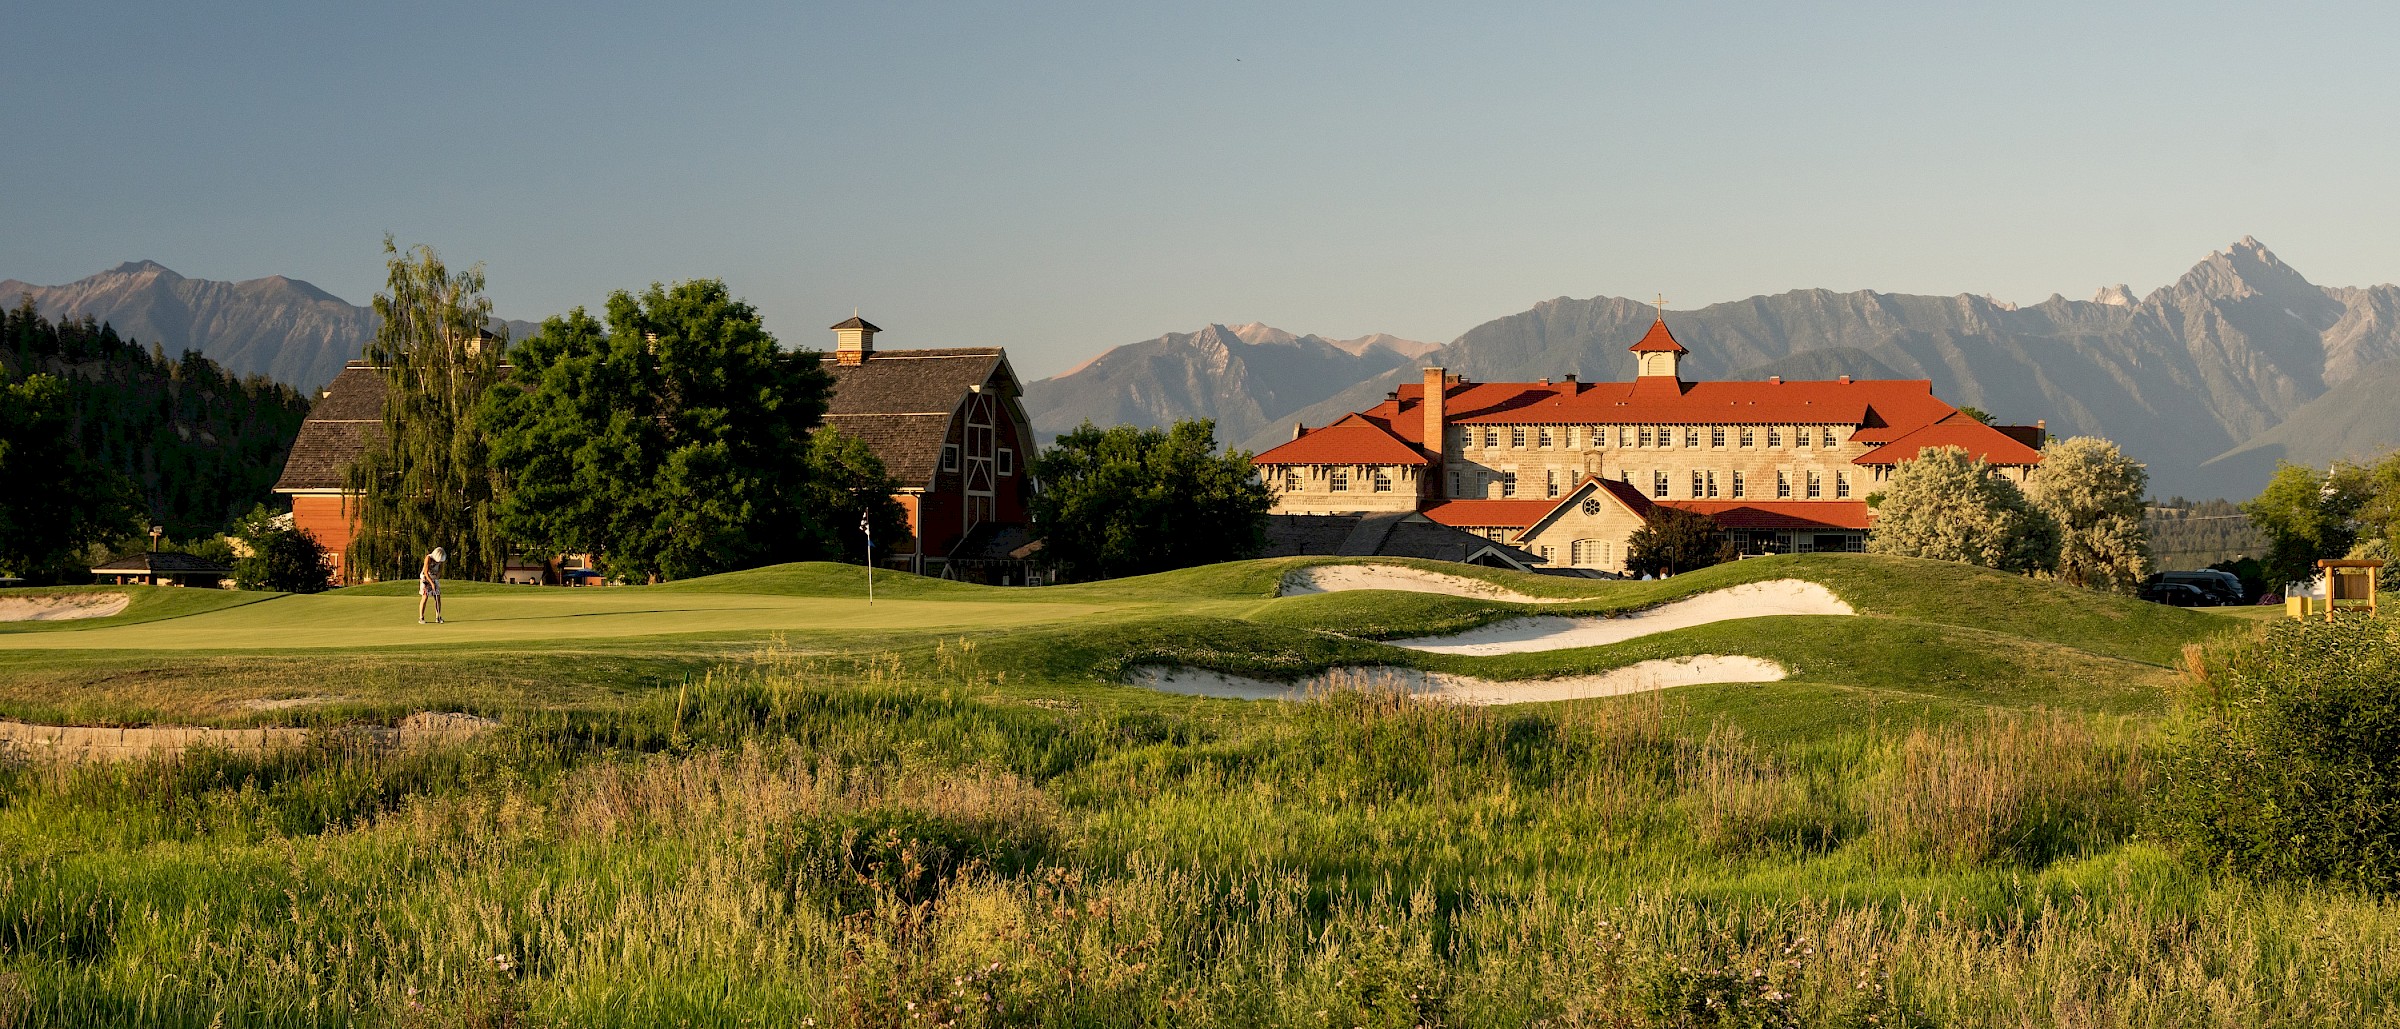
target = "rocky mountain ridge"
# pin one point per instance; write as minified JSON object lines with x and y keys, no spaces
{"x":277,"y":326}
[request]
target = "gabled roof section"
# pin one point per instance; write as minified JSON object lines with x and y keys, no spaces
{"x":856,"y":322}
{"x":1623,"y":494}
{"x":1980,"y":441}
{"x":337,"y":430}
{"x":1356,"y":439}
{"x":1657,"y":341}
{"x":911,"y":381}
{"x":160,"y":562}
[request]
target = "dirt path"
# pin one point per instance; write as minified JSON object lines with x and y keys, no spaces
{"x":89,"y":743}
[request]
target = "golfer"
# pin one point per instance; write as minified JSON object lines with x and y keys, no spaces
{"x":429,"y":586}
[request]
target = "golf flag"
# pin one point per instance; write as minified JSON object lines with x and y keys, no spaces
{"x":867,"y":527}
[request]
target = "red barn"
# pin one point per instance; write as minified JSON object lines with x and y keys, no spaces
{"x":947,"y":424}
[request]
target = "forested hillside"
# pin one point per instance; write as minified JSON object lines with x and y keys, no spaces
{"x":201,"y":446}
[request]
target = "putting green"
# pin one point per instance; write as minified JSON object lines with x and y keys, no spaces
{"x":308,"y":622}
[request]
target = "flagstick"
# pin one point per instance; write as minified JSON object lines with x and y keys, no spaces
{"x":868,"y":527}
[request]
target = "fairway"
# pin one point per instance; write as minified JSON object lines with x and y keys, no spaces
{"x":533,"y":615}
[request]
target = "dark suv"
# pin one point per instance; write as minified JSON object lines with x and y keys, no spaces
{"x":2222,"y":588}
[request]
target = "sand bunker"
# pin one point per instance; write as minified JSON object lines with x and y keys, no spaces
{"x":87,"y":743}
{"x":1337,"y":578}
{"x":61,"y":607}
{"x":1551,"y":632}
{"x":1467,"y":689}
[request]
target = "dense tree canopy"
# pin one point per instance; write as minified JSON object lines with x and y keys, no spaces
{"x":1674,"y":540}
{"x":54,"y":501}
{"x":200,"y":445}
{"x":671,"y":442}
{"x":1127,"y":501}
{"x":1948,"y":507}
{"x":848,"y":483}
{"x":273,"y":555}
{"x":2094,"y":494}
{"x":426,"y":479}
{"x":2306,"y":516}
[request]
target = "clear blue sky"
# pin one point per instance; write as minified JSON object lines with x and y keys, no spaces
{"x":1061,"y":178}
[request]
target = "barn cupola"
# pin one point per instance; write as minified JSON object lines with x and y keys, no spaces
{"x":854,"y":341}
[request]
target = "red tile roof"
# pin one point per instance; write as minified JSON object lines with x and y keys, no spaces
{"x":1658,"y":340}
{"x":1356,"y":439}
{"x":1779,"y":514}
{"x":1512,"y":514}
{"x":1980,"y":441}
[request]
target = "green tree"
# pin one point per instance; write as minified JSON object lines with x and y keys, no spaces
{"x":2289,"y":766}
{"x":1674,"y":540}
{"x":54,"y":501}
{"x":1977,"y":413}
{"x":426,"y":480}
{"x":847,"y":483}
{"x":2094,"y":494}
{"x":283,"y":559}
{"x":2306,"y":517}
{"x":1948,"y":507}
{"x":1127,"y":501}
{"x":672,"y":443}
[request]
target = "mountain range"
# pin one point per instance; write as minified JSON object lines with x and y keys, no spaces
{"x":280,"y":327}
{"x":2210,"y":380}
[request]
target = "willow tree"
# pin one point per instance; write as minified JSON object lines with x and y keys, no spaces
{"x":427,"y":480}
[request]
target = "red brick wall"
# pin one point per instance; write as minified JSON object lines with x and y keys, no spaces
{"x":328,"y":519}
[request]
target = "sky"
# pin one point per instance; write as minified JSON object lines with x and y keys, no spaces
{"x":1061,"y":178}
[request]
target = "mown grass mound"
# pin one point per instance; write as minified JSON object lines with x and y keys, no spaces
{"x":143,"y":604}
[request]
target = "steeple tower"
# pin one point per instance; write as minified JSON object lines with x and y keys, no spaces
{"x":1658,"y":354}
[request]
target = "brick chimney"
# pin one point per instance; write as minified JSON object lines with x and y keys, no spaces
{"x":854,"y":341}
{"x":1437,"y":410}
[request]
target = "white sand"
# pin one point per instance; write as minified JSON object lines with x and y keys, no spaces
{"x":1337,"y":578}
{"x":62,"y":606}
{"x":1551,"y":632}
{"x":1467,"y":689}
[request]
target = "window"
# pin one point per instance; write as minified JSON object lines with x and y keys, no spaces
{"x":1783,"y":485}
{"x":1825,"y":436}
{"x":1841,"y":485}
{"x":1454,"y":484}
{"x":1800,"y":436}
{"x":1546,"y":552}
{"x":1624,"y":436}
{"x":949,"y":457}
{"x":1712,"y":485}
{"x":1545,"y":437}
{"x":1658,"y":485}
{"x":1691,"y":437}
{"x":1508,"y":484}
{"x":1516,"y":436}
{"x":1645,"y":436}
{"x":1774,"y":437}
{"x":1737,"y":485}
{"x":1340,"y":480}
{"x":1383,"y":480}
{"x":1291,"y":480}
{"x":1008,"y":461}
{"x":1550,"y":480}
{"x":1695,"y":484}
{"x":1749,"y":438}
{"x":1716,"y":437}
{"x":1815,"y":491}
{"x":1491,"y":437}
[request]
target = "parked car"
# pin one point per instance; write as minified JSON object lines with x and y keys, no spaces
{"x":2222,"y":587}
{"x":2178,"y":594}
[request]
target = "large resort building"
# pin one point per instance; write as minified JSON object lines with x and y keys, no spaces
{"x":1567,"y":470}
